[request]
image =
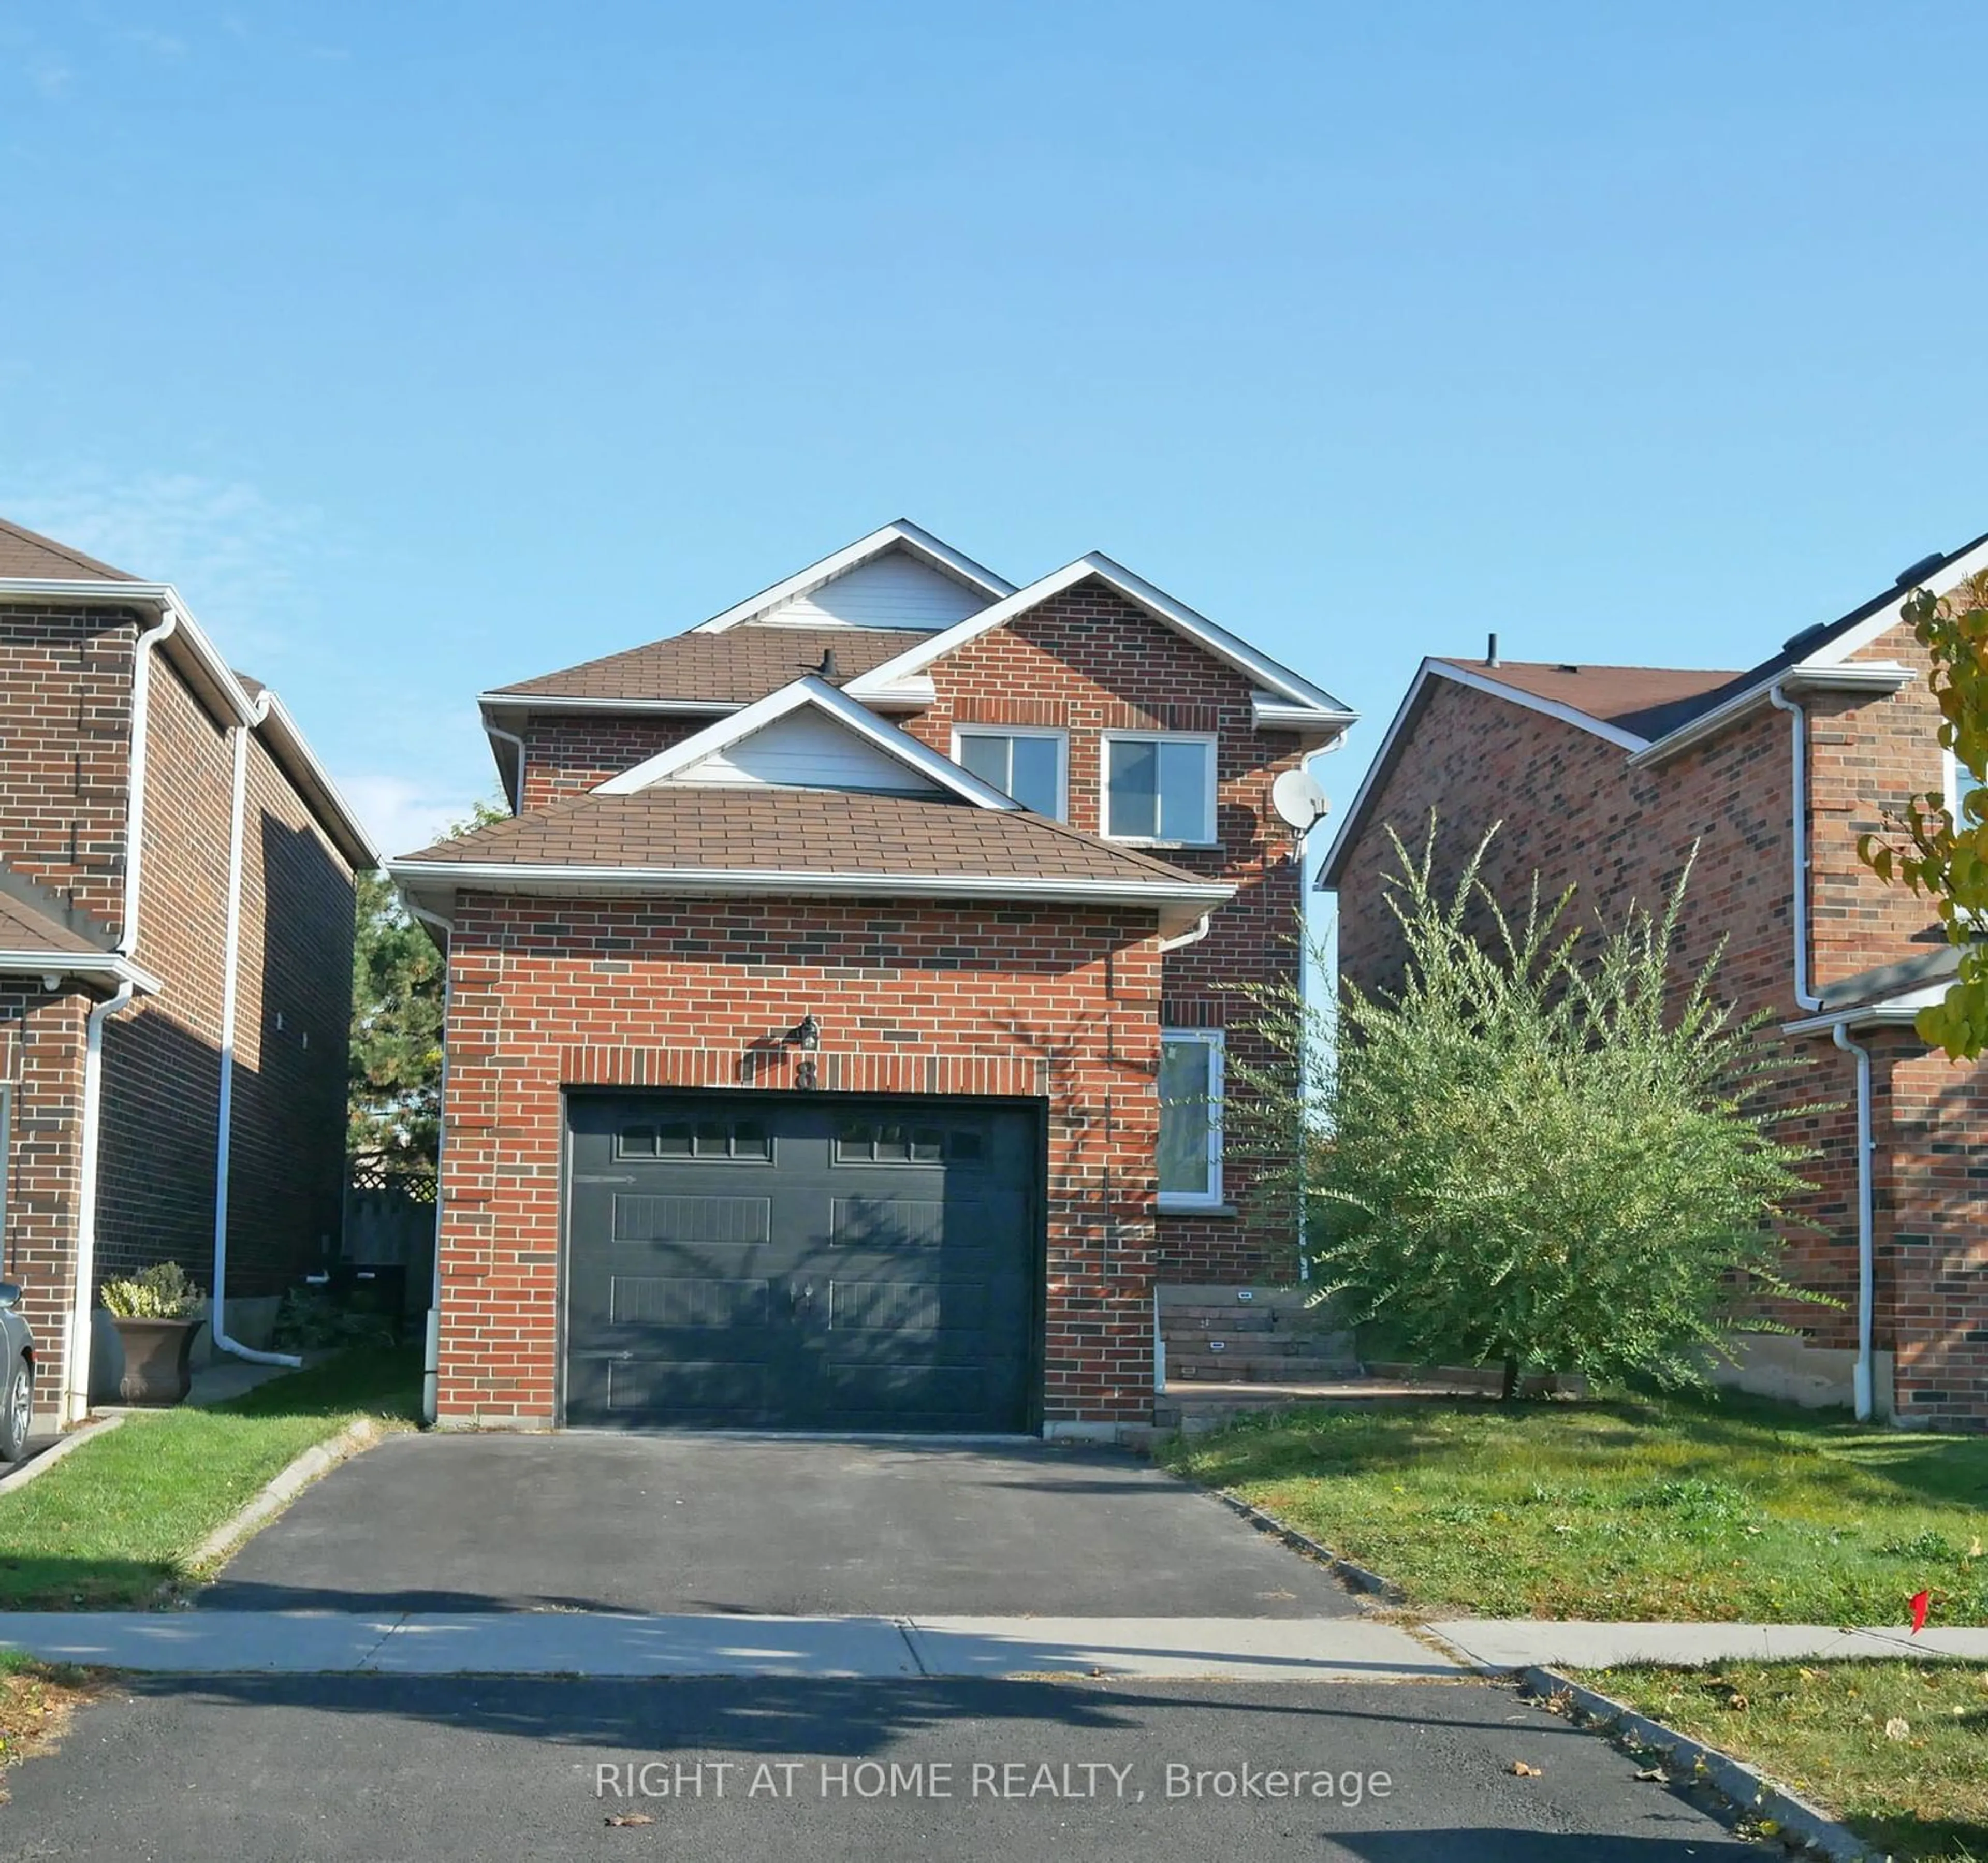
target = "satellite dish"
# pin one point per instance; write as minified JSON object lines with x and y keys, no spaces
{"x":1298,"y":798}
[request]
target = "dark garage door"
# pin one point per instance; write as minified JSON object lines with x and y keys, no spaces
{"x":746,"y":1261}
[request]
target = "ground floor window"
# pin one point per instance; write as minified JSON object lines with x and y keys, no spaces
{"x":1190,"y":1118}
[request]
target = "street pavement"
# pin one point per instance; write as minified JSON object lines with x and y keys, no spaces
{"x":247,"y":1769}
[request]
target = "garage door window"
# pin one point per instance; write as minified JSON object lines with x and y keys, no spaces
{"x":701,"y":1140}
{"x":865,"y":1141}
{"x":1190,"y":1119}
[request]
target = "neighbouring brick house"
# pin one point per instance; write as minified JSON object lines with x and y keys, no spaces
{"x":810,"y":1021}
{"x":1605,"y":778}
{"x":176,"y":929}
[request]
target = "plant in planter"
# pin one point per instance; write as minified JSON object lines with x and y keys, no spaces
{"x":155,"y":1314}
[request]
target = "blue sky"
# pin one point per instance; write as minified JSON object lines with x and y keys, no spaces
{"x":430,"y":347}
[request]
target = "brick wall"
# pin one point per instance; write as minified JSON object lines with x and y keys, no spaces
{"x":1057,"y":1002}
{"x":41,"y":1059}
{"x":1931,"y":1230}
{"x":565,"y":756}
{"x":1867,"y":757}
{"x":1572,"y":810}
{"x":65,"y":725}
{"x":293,"y":1015}
{"x":1090,"y":662}
{"x":162,"y":1055}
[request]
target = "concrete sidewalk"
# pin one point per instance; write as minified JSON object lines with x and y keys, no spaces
{"x":1516,"y":1643}
{"x":609,"y":1645}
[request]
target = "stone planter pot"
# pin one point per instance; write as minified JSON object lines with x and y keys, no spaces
{"x":157,"y":1359}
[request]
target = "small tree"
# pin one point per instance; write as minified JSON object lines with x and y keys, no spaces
{"x":1944,"y":853}
{"x":393,"y":1092}
{"x":1527,"y":1159}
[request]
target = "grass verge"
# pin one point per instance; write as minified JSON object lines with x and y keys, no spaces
{"x":1726,"y":1510}
{"x":120,"y":1517}
{"x":1898,"y":1751}
{"x":36,"y":1700}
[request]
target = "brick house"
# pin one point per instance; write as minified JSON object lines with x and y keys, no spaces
{"x":1605,"y":778}
{"x":176,"y":929}
{"x":810,"y":1022}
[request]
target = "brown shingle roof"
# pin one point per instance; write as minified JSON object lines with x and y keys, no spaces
{"x":28,"y":553}
{"x":24,"y":926}
{"x":1638,"y":699}
{"x":733,"y":668}
{"x":814,"y":831}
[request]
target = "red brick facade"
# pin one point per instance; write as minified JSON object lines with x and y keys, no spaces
{"x":545,"y":995}
{"x":1569,"y":807}
{"x":65,"y":734}
{"x":1053,"y":1003}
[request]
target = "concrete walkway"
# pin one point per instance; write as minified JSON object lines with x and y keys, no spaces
{"x":1515,"y":1643}
{"x":612,"y":1644}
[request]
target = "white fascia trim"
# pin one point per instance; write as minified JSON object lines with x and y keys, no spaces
{"x":1445,"y":669}
{"x":1902,"y":1009}
{"x":1269,"y":714}
{"x":234,"y":695}
{"x":160,"y":595}
{"x":1217,"y":640}
{"x":1350,"y":823}
{"x":1870,"y":677}
{"x":808,"y":691}
{"x":1548,"y":707}
{"x":270,"y":712}
{"x":1189,"y":901}
{"x":1889,"y":616}
{"x":96,"y":966}
{"x":533,"y":701}
{"x":902,"y":534}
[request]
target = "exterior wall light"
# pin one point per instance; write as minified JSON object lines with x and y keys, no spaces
{"x":806,"y":1034}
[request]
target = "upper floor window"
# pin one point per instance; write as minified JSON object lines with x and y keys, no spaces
{"x":1159,"y":786}
{"x":1021,"y":761}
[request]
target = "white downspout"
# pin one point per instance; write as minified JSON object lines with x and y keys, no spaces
{"x":1304,"y":1019}
{"x":134,"y":811}
{"x":75,"y":1399}
{"x":75,"y":1405}
{"x":1804,"y":998}
{"x":1866,"y":1275}
{"x":431,"y":1342}
{"x":224,"y":1121}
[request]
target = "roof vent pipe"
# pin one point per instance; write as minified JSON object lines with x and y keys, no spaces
{"x":829,"y":671}
{"x":1491,"y":651}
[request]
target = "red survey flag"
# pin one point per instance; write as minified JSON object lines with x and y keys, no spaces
{"x":1920,"y":1601}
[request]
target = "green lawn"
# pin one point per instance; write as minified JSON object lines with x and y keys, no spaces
{"x":1729,"y":1509}
{"x":1920,"y":1792}
{"x":120,"y":1518}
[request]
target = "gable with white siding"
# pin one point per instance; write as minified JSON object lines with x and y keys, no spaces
{"x":805,"y":750}
{"x":895,"y":590}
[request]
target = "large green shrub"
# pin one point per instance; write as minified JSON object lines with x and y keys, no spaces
{"x":1544,"y":1150}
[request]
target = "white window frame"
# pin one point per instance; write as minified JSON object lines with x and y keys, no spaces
{"x":1181,"y":1201}
{"x":1110,"y":738}
{"x":1950,"y":773}
{"x":1056,"y":734}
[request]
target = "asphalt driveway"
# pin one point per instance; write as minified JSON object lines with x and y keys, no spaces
{"x":681,"y":1524}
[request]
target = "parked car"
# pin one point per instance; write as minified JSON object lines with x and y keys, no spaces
{"x":17,"y":1356}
